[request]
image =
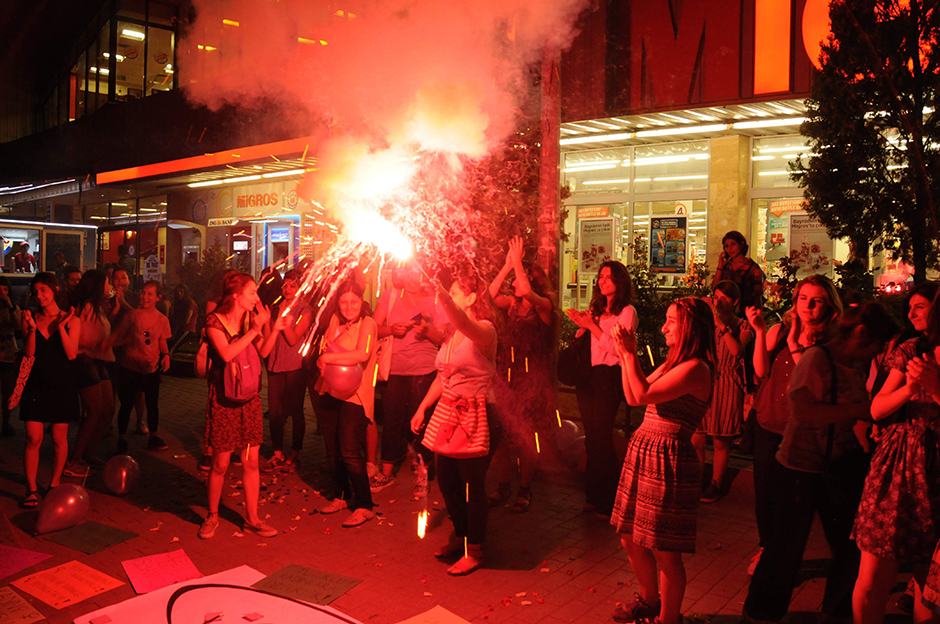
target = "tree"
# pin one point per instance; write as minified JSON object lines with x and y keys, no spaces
{"x":874,"y":163}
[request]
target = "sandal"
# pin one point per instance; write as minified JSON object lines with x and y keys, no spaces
{"x":30,"y":501}
{"x":500,"y":496}
{"x":469,"y":563}
{"x":454,"y":546}
{"x":523,"y":499}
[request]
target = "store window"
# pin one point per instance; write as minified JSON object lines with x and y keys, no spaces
{"x":21,"y":250}
{"x":159,"y":60}
{"x":68,"y":244}
{"x":598,"y":171}
{"x":79,"y":85}
{"x":129,"y":83}
{"x":671,"y":167}
{"x":770,"y":160}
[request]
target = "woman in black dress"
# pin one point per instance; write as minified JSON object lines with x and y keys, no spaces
{"x":51,"y":391}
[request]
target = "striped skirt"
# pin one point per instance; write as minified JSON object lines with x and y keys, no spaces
{"x":657,"y":500}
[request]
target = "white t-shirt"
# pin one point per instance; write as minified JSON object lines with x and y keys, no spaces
{"x":603,"y":350}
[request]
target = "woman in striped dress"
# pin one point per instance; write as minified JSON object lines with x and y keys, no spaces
{"x":725,"y":415}
{"x":657,"y":501}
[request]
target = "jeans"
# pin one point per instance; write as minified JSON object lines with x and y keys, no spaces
{"x":766,"y":445}
{"x":598,"y":403}
{"x":400,"y":401}
{"x":468,"y":508}
{"x":343,"y":425}
{"x":286,"y":394}
{"x":798,"y":497}
{"x":130,"y":385}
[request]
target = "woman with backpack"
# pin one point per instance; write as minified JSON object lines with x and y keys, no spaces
{"x":821,"y":465}
{"x":233,"y":417}
{"x":347,"y":385}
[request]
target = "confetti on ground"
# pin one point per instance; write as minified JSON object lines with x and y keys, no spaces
{"x":526,"y":603}
{"x":252,"y":617}
{"x":520,"y":594}
{"x":545,"y":570}
{"x":174,"y":540}
{"x":238,"y":534}
{"x":427,"y":594}
{"x":157,"y":528}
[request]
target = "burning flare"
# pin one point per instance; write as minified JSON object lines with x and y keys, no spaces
{"x":422,"y":523}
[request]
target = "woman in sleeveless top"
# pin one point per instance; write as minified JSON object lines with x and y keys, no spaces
{"x":94,"y":364}
{"x":821,"y":465}
{"x":816,"y":307}
{"x":234,"y":426}
{"x":524,"y":381}
{"x":465,"y":368}
{"x":657,"y":501}
{"x":898,"y":520}
{"x":600,"y":398}
{"x":51,"y":391}
{"x":345,"y":413}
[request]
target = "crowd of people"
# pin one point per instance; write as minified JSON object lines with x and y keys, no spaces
{"x":845,"y":419}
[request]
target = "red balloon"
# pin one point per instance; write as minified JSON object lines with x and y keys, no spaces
{"x":63,"y":507}
{"x":342,"y":381}
{"x":120,"y":474}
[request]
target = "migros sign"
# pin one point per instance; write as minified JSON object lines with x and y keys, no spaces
{"x":257,"y":200}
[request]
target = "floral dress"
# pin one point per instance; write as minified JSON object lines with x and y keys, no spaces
{"x":899,"y":516}
{"x":229,"y":426}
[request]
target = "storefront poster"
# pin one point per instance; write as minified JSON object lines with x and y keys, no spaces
{"x":595,"y":244}
{"x":589,"y":212}
{"x":810,"y":247}
{"x":669,"y":244}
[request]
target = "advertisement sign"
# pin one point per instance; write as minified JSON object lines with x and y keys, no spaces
{"x":669,"y":245}
{"x":222,"y":221}
{"x":596,"y":240}
{"x":151,"y":269}
{"x":809,"y":245}
{"x":591,"y":212}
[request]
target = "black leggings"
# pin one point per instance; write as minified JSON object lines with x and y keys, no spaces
{"x":400,"y":401}
{"x":343,"y":425}
{"x":286,"y":393}
{"x":598,"y":403}
{"x":133,"y":383}
{"x":468,"y":509}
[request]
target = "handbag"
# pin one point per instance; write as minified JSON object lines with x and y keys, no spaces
{"x":383,"y":353}
{"x":574,"y":361}
{"x":458,"y":428}
{"x":26,"y":365}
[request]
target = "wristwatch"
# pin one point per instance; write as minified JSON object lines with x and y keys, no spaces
{"x":799,"y":349}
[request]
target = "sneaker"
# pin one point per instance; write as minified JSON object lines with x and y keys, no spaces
{"x":142,"y":428}
{"x":77,"y":468}
{"x":8,"y":431}
{"x":372,"y":469}
{"x":754,"y":561}
{"x":262,"y":529}
{"x":712,"y":494}
{"x":271,"y":465}
{"x":156,"y":443}
{"x":358,"y":517}
{"x":94,"y":462}
{"x":205,"y":463}
{"x":334,"y":506}
{"x":422,"y":487}
{"x":209,"y":525}
{"x":122,"y":446}
{"x":290,"y":465}
{"x":639,"y":609}
{"x":380,"y":481}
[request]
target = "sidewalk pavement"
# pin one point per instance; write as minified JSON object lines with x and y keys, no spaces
{"x":570,"y":565}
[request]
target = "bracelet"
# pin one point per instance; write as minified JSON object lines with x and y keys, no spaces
{"x":722,"y":332}
{"x":799,"y":349}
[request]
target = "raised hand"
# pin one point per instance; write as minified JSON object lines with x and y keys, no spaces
{"x":624,"y":339}
{"x":756,"y":319}
{"x":29,"y":323}
{"x":262,"y":316}
{"x":516,"y":250}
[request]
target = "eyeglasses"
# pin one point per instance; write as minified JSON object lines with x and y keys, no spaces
{"x":147,"y":338}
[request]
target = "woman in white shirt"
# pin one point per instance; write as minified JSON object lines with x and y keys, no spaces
{"x":599,"y":399}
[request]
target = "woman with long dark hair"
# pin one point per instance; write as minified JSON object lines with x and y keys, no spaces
{"x":235,"y":327}
{"x":345,"y":413}
{"x":810,"y":321}
{"x":898,"y":520}
{"x":734,"y":265}
{"x":600,"y":398}
{"x":94,"y":363}
{"x":51,"y":391}
{"x":465,"y":367}
{"x":821,"y":465}
{"x":657,"y":502}
{"x":524,"y":373}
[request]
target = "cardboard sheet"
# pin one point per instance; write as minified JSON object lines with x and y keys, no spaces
{"x":437,"y":615}
{"x":307,"y":584}
{"x":15,"y":610}
{"x":90,"y":537}
{"x":67,"y":584}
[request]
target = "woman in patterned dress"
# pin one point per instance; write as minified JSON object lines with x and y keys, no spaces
{"x":234,"y":427}
{"x":657,"y":501}
{"x":898,"y":520}
{"x":725,"y":415}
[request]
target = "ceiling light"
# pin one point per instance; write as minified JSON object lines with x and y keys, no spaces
{"x":620,"y":181}
{"x":773,"y":173}
{"x":133,"y":34}
{"x":755,"y":158}
{"x":601,"y":138}
{"x":768,"y":123}
{"x":686,"y":177}
{"x":773,"y":150}
{"x":688,"y":130}
{"x":281,"y":174}
{"x":206,"y":183}
{"x":241,"y":179}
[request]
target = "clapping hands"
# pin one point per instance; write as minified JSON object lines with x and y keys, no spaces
{"x":624,"y":340}
{"x":924,"y":373}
